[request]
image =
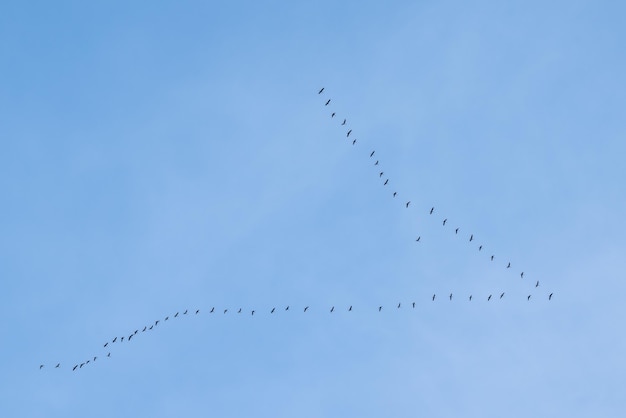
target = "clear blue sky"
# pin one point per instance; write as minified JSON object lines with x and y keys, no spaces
{"x":162,"y":156}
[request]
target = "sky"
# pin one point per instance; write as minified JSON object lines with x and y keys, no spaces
{"x":157,"y":157}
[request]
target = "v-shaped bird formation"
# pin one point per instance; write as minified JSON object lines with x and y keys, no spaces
{"x":127,"y":337}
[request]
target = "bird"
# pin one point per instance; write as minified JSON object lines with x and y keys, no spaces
{"x":332,"y":115}
{"x":480,"y":247}
{"x":122,"y":339}
{"x":114,"y":339}
{"x":327,"y":102}
{"x":489,"y":298}
{"x":225,"y":310}
{"x":349,"y":132}
{"x":320,"y":92}
{"x":136,"y":331}
{"x":434,"y":297}
{"x":376,"y":163}
{"x":528,"y":298}
{"x":131,"y":336}
{"x":87,"y":361}
{"x":456,"y":231}
{"x":350,"y":308}
{"x":81,"y":365}
{"x":450,"y":296}
{"x":167,"y":317}
{"x":252,"y":313}
{"x":432,"y":210}
{"x":398,"y":305}
{"x":212,"y":309}
{"x":508,"y":265}
{"x":502,"y":295}
{"x":522,"y":275}
{"x":197,"y":310}
{"x":550,"y":296}
{"x":394,"y":194}
{"x":105,"y":344}
{"x":418,"y":238}
{"x":156,"y":322}
{"x":372,"y":154}
{"x":151,"y":326}
{"x":413,"y":305}
{"x":305,"y":308}
{"x":57,"y":366}
{"x":386,"y":181}
{"x":471,"y":237}
{"x":381,"y":174}
{"x":380,"y":308}
{"x":185,"y":313}
{"x":491,"y":258}
{"x":176,"y":316}
{"x":144,"y":329}
{"x":40,"y":366}
{"x":74,"y":368}
{"x":94,"y":359}
{"x":273,"y":309}
{"x":332,"y":309}
{"x":109,"y":355}
{"x":354,"y":142}
{"x":408,"y":203}
{"x":344,"y":122}
{"x":537,"y":284}
{"x":444,"y":221}
{"x":239,"y":311}
{"x":470,"y":298}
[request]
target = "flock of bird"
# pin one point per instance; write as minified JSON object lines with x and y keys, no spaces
{"x":147,"y":328}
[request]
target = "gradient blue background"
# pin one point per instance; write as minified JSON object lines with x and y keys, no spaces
{"x":157,"y":156}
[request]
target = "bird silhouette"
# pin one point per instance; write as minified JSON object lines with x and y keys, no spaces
{"x":212,"y":309}
{"x":114,"y":339}
{"x":327,"y":102}
{"x":105,"y":344}
{"x":74,"y":368}
{"x":87,"y":362}
{"x":413,"y":305}
{"x":444,"y":221}
{"x":372,"y":154}
{"x":273,"y":309}
{"x":167,"y":317}
{"x":344,"y":122}
{"x":197,"y":311}
{"x":491,"y":258}
{"x":394,"y":194}
{"x":57,"y":366}
{"x":432,"y":210}
{"x":550,"y":296}
{"x":332,"y":309}
{"x":109,"y":355}
{"x":349,"y":132}
{"x":398,"y":305}
{"x":40,"y":366}
{"x":434,"y":297}
{"x":354,"y":142}
{"x":81,"y":365}
{"x":95,"y":358}
{"x":122,"y":339}
{"x":528,"y":298}
{"x":470,"y":298}
{"x":408,"y":203}
{"x":176,"y":316}
{"x":239,"y":311}
{"x":287,"y":308}
{"x":489,"y":298}
{"x":252,"y":313}
{"x":306,"y":308}
{"x":225,"y":310}
{"x":480,"y":247}
{"x":350,"y":308}
{"x":131,"y":336}
{"x":381,"y":174}
{"x":471,"y":237}
{"x":522,"y":275}
{"x":376,"y":163}
{"x":332,"y":115}
{"x":185,"y":313}
{"x":386,"y":181}
{"x":320,"y":92}
{"x":136,"y":331}
{"x":502,"y":295}
{"x":456,"y":231}
{"x":418,"y":238}
{"x":151,"y":327}
{"x":380,"y":308}
{"x":508,"y":265}
{"x":450,"y":296}
{"x":537,"y":284}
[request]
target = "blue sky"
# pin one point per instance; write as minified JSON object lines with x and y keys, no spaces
{"x":163,"y":156}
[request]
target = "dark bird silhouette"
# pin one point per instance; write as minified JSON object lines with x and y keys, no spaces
{"x":491,"y":258}
{"x":381,"y":174}
{"x":327,"y":102}
{"x":386,"y":181}
{"x":57,"y":366}
{"x":87,"y":361}
{"x":320,"y":92}
{"x":470,"y":298}
{"x":105,"y":344}
{"x":394,"y":194}
{"x":376,"y":163}
{"x":480,"y":247}
{"x":528,"y":298}
{"x":109,"y":355}
{"x":432,"y":210}
{"x":74,"y":368}
{"x":239,"y":311}
{"x":81,"y":365}
{"x":95,"y":358}
{"x":252,"y":313}
{"x":197,"y":311}
{"x":332,"y":309}
{"x":144,"y":329}
{"x":444,"y":221}
{"x":380,"y":308}
{"x":550,"y":296}
{"x":398,"y":305}
{"x":273,"y":309}
{"x":501,"y":295}
{"x":122,"y":339}
{"x":354,"y":142}
{"x":350,"y":308}
{"x":344,"y":122}
{"x":225,"y":310}
{"x":40,"y":366}
{"x":408,"y":203}
{"x":508,"y":265}
{"x":413,"y":305}
{"x":537,"y":284}
{"x":418,"y":238}
{"x":522,"y":275}
{"x":151,"y":326}
{"x":176,"y":316}
{"x":114,"y":339}
{"x":471,"y":237}
{"x":372,"y":154}
{"x":185,"y":313}
{"x":287,"y":308}
{"x":167,"y":317}
{"x":212,"y":309}
{"x":332,"y":115}
{"x":306,"y":307}
{"x":349,"y":132}
{"x":489,"y":298}
{"x":156,"y":322}
{"x":131,"y":336}
{"x":136,"y":331}
{"x":450,"y":296}
{"x":456,"y":231}
{"x":434,"y":297}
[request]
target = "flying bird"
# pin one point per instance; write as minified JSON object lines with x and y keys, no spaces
{"x":105,"y":344}
{"x":167,"y":317}
{"x":287,"y":308}
{"x":480,"y":247}
{"x":456,"y":231}
{"x":81,"y":365}
{"x":131,"y":336}
{"x":470,"y":298}
{"x":537,"y":284}
{"x":57,"y":366}
{"x":350,"y":308}
{"x":434,"y":297}
{"x":344,"y":122}
{"x":471,"y":237}
{"x":332,"y":115}
{"x":252,"y":313}
{"x":136,"y":331}
{"x":398,"y":305}
{"x":376,"y":163}
{"x":432,"y":210}
{"x":114,"y":339}
{"x":94,"y":359}
{"x":528,"y":298}
{"x":156,"y":322}
{"x":349,"y":132}
{"x":418,"y":238}
{"x":176,"y":316}
{"x":332,"y":309}
{"x":225,"y":310}
{"x":408,"y":203}
{"x":550,"y":296}
{"x":394,"y":194}
{"x":144,"y":329}
{"x":185,"y":313}
{"x":491,"y":258}
{"x":327,"y":102}
{"x":386,"y":181}
{"x":380,"y":308}
{"x":40,"y":366}
{"x":354,"y":142}
{"x":151,"y":326}
{"x":381,"y":174}
{"x":306,"y":308}
{"x":239,"y":311}
{"x":320,"y":92}
{"x":413,"y":305}
{"x":489,"y":298}
{"x":74,"y":367}
{"x":122,"y":339}
{"x":212,"y":309}
{"x":109,"y":355}
{"x":502,"y":295}
{"x":198,"y":310}
{"x":444,"y":221}
{"x":372,"y":154}
{"x":508,"y":265}
{"x":450,"y":296}
{"x":522,"y":275}
{"x":273,"y":309}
